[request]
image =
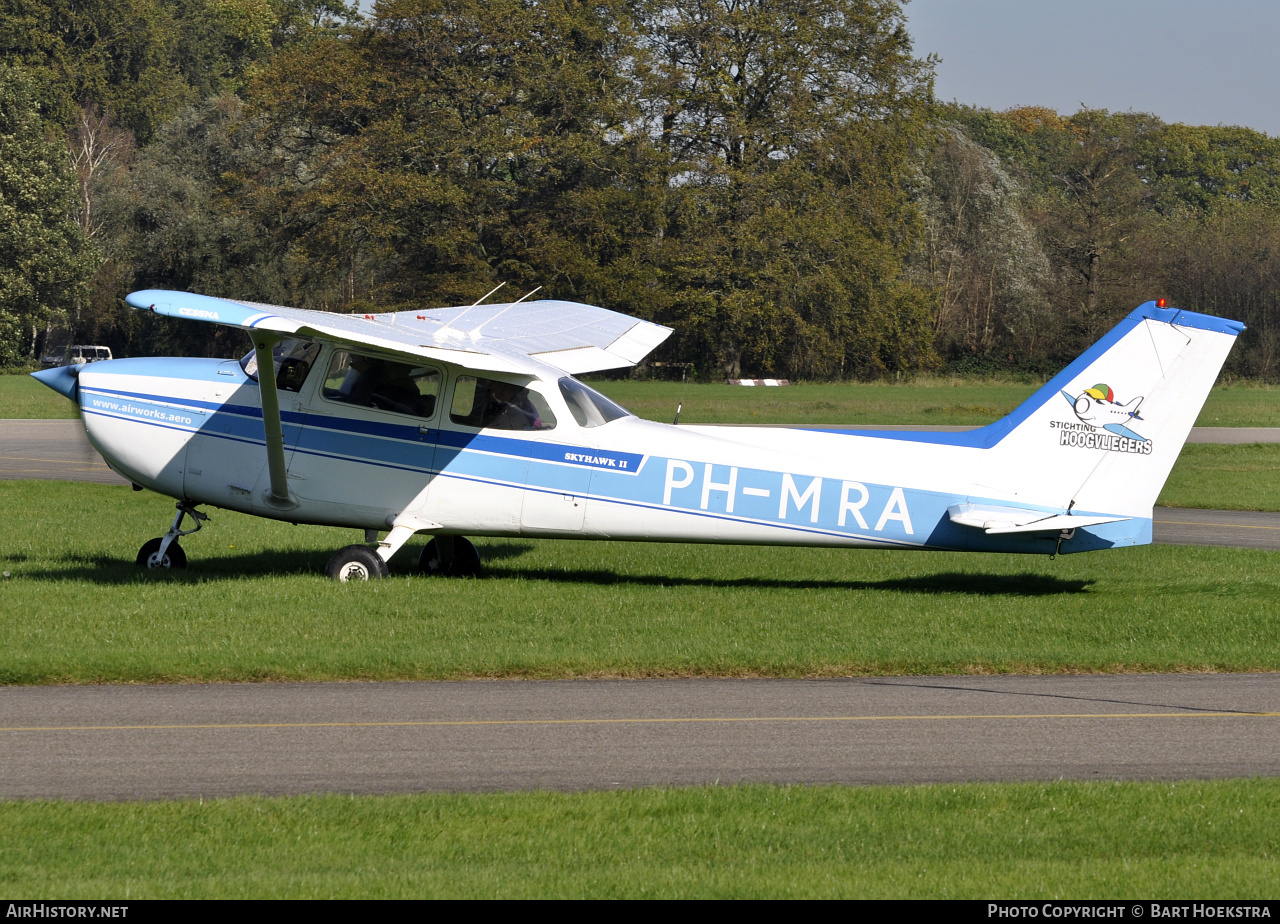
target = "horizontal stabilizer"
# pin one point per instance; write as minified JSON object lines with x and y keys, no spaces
{"x":995,"y":521}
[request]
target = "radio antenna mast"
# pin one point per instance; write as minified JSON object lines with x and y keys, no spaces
{"x":475,"y":332}
{"x":487,"y":294}
{"x":444,"y":331}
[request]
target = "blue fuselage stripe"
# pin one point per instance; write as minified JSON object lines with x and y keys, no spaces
{"x":540,"y":466}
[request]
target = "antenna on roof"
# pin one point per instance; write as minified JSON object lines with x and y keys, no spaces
{"x":475,"y":332}
{"x":448,"y":325}
{"x":521,"y":298}
{"x":487,"y":294}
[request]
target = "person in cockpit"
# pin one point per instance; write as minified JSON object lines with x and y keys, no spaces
{"x":509,"y":408}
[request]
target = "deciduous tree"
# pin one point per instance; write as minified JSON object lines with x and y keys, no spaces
{"x":45,"y":261}
{"x":789,"y":128}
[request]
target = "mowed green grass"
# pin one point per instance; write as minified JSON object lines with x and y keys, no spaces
{"x":22,"y":397}
{"x":1225,"y":477}
{"x":254,"y":605}
{"x":943,"y":401}
{"x":1211,"y":840}
{"x":922,"y":402}
{"x":925,"y":401}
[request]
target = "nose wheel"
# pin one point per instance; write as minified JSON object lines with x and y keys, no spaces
{"x":150,"y":557}
{"x":164,"y":551}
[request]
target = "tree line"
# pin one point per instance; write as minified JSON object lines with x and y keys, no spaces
{"x":771,"y":178}
{"x":1041,"y":231}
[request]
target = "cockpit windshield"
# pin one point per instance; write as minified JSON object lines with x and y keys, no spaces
{"x":293,"y":359}
{"x":588,"y":406}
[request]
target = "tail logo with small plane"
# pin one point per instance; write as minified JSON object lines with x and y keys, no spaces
{"x":1097,"y":408}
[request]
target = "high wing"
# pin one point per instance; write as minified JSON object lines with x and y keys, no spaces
{"x":517,"y":337}
{"x":570,"y":336}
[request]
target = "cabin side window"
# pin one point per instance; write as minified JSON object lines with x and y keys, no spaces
{"x":368,"y":381}
{"x":494,"y":405}
{"x":293,"y":360}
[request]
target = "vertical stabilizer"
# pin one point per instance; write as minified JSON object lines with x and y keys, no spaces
{"x":1103,"y":434}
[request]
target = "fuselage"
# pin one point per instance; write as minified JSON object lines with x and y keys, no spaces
{"x":192,"y":429}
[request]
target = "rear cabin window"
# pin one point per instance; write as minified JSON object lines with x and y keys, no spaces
{"x":367,"y":381}
{"x":495,"y":405}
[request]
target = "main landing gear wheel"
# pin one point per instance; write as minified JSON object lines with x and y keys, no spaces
{"x":149,"y":555}
{"x":356,"y":563}
{"x":450,"y":556}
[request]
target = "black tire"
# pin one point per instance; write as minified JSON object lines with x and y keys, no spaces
{"x":174,"y":557}
{"x":356,"y":563}
{"x":465,"y":563}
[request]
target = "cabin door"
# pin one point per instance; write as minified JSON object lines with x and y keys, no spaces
{"x":366,"y":447}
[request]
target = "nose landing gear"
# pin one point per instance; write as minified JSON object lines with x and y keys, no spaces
{"x":165,"y":552}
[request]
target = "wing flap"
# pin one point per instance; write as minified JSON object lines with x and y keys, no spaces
{"x":581,"y":359}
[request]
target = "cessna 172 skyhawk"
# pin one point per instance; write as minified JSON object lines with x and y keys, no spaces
{"x":469,"y":421}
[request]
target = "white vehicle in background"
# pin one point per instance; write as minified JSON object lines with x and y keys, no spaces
{"x":80,"y":353}
{"x":469,"y":421}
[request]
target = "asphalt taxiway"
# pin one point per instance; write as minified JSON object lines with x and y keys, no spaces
{"x":1238,"y":529}
{"x":51,"y":450}
{"x":172,"y":741}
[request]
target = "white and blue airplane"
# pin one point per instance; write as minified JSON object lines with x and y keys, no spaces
{"x":468,"y":421}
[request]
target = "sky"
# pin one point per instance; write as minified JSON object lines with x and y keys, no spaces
{"x":1192,"y":61}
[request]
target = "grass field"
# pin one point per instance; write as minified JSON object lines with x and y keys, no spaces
{"x":23,"y":397}
{"x":927,"y":401}
{"x":1210,"y":840}
{"x":1225,"y":477}
{"x":957,"y":402}
{"x":255,"y":605}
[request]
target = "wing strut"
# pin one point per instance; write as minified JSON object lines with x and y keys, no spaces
{"x":262,"y":346}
